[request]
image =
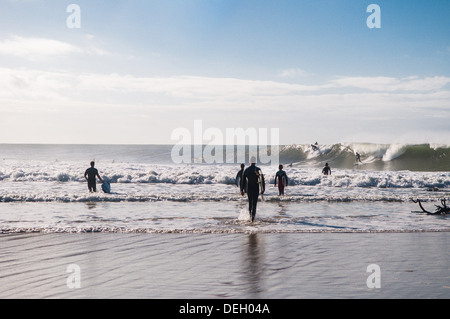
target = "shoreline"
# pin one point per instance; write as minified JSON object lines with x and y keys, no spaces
{"x":120,"y":230}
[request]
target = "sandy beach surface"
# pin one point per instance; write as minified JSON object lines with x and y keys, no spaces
{"x":221,"y":266}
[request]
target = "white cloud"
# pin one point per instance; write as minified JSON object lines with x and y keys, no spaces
{"x":390,"y":84}
{"x":47,"y":97}
{"x":207,"y":92}
{"x":34,"y":48}
{"x":292,"y":73}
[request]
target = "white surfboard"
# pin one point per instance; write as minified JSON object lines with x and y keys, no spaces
{"x":261,"y":189}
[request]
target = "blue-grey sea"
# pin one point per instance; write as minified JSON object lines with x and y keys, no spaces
{"x":182,"y":230}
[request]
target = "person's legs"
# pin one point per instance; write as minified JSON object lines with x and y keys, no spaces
{"x":92,"y":186}
{"x":250,"y":201}
{"x":253,"y":194}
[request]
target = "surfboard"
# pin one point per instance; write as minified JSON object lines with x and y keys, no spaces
{"x":106,"y":187}
{"x":315,"y":147}
{"x":261,"y":189}
{"x":238,"y":181}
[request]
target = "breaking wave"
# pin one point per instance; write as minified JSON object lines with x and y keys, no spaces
{"x":401,"y":167}
{"x":392,"y":157}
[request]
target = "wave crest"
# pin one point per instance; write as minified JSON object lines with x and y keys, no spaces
{"x":392,"y":157}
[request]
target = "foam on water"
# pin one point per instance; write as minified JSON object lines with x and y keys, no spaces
{"x":42,"y":189}
{"x":35,"y":171}
{"x":216,"y":217}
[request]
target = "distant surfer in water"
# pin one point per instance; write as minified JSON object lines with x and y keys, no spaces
{"x":282,"y":179}
{"x":358,"y":157}
{"x":326,"y":170}
{"x":253,"y":181}
{"x":90,"y":175}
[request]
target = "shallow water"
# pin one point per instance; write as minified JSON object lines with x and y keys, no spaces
{"x":216,"y":217}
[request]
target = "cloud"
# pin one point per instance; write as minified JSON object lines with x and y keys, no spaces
{"x":20,"y":82}
{"x":65,"y":90}
{"x":34,"y":48}
{"x":292,"y":73}
{"x":391,"y":84}
{"x":337,"y":106}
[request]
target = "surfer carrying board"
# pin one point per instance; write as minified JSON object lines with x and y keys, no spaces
{"x":282,"y":179}
{"x":253,"y":182}
{"x":90,"y":175}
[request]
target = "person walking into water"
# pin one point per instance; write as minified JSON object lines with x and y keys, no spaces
{"x":238,"y":180}
{"x":253,"y":182}
{"x":326,"y":170}
{"x":91,"y":175}
{"x":282,"y":179}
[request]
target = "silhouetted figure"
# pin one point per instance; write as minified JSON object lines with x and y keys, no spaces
{"x":239,"y":180}
{"x":282,"y":179}
{"x":90,"y":175}
{"x":253,"y":181}
{"x":326,"y":170}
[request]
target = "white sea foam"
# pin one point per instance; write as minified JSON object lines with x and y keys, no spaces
{"x":33,"y":171}
{"x":216,"y":217}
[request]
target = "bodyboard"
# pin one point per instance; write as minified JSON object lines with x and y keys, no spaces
{"x":106,"y":187}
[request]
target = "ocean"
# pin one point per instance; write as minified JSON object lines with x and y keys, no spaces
{"x":42,"y":188}
{"x":45,"y":202}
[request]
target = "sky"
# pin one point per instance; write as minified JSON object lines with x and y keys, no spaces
{"x":133,"y":72}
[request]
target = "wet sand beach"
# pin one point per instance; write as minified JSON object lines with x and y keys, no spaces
{"x":221,"y":266}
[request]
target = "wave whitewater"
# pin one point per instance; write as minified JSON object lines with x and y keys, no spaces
{"x":97,"y":229}
{"x":392,"y":157}
{"x":303,"y":175}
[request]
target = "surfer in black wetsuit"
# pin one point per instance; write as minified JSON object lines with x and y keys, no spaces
{"x":253,"y":181}
{"x":282,"y":179}
{"x":358,"y":158}
{"x":90,"y":175}
{"x":326,"y":170}
{"x":238,"y":179}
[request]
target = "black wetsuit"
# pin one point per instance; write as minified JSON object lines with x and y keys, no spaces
{"x":251,"y":183}
{"x":239,"y":178}
{"x":92,"y":182}
{"x":326,"y":170}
